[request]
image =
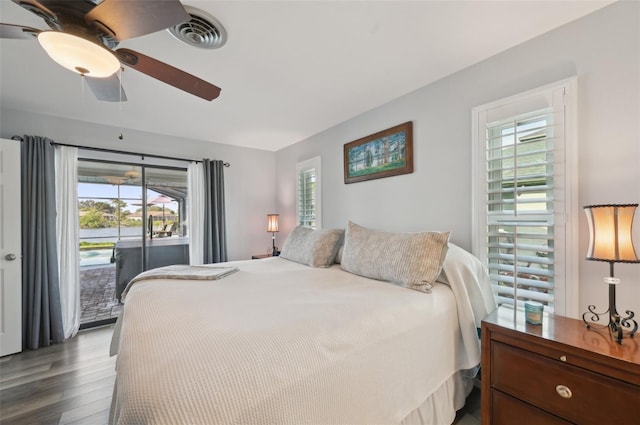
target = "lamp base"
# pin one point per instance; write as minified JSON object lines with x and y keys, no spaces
{"x":274,"y":251}
{"x":620,"y":327}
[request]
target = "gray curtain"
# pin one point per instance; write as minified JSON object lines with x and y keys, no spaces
{"x":41,"y":310}
{"x":215,"y":235}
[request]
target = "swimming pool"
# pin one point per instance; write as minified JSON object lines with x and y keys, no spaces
{"x":95,"y":257}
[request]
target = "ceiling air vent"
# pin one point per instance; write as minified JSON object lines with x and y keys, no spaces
{"x":202,"y":30}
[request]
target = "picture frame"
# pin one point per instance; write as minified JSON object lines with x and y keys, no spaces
{"x":383,"y":154}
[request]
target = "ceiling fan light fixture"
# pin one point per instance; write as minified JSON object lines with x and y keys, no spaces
{"x":79,"y":55}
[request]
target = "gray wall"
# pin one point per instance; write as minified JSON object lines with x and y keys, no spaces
{"x":602,"y":49}
{"x":248,"y":182}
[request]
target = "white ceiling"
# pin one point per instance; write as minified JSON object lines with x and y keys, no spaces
{"x":289,"y":70}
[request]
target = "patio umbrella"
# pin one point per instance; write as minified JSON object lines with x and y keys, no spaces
{"x":161,"y":199}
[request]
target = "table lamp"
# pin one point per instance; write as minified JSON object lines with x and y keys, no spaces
{"x":272,"y":226}
{"x":610,"y":241}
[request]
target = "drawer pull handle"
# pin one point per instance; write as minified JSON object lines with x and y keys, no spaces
{"x":563,"y":358}
{"x":564,"y":391}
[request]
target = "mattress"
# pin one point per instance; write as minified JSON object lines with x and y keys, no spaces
{"x":282,"y":343}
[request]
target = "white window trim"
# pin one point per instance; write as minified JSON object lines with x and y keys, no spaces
{"x":566,"y":302}
{"x":312,"y":163}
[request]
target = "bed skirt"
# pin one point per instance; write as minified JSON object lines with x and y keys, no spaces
{"x":440,"y":408}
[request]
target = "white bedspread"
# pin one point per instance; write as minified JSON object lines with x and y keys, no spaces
{"x":282,"y":343}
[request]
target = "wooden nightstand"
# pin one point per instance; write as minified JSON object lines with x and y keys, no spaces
{"x":259,"y":256}
{"x":556,"y":373}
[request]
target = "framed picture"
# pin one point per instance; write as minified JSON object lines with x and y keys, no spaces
{"x":383,"y":154}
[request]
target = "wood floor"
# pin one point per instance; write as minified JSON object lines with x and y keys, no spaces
{"x":470,"y":413}
{"x":68,"y":383}
{"x":72,"y":383}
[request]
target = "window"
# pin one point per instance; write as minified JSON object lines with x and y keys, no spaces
{"x":309,"y":193}
{"x":524,"y":202}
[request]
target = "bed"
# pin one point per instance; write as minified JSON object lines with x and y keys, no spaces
{"x":283,"y":341}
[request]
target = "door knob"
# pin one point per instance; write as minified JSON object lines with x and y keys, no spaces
{"x":10,"y":257}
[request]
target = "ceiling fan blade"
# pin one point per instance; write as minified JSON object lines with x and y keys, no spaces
{"x":17,"y":32}
{"x":107,"y":89}
{"x":37,"y":7}
{"x":126,"y":19}
{"x":168,"y":74}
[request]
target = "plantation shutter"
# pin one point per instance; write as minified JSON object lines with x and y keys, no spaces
{"x":309,"y":193}
{"x":307,"y":198}
{"x":524,"y":200}
{"x":520,"y":206}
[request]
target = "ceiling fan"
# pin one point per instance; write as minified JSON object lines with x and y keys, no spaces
{"x":84,"y":34}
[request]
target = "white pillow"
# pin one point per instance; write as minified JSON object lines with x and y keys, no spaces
{"x":315,"y":248}
{"x":413,"y":260}
{"x":463,"y":272}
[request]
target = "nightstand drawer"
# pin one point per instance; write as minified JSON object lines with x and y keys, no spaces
{"x":507,"y":408}
{"x":570,"y":392}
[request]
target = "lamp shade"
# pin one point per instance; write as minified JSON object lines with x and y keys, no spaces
{"x":610,"y":230}
{"x":79,"y":55}
{"x":272,"y":222}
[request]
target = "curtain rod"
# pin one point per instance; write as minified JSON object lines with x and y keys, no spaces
{"x":141,"y":155}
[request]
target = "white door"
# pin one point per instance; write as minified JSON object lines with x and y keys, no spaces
{"x":10,"y":249}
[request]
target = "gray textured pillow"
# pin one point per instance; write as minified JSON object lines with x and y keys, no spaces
{"x":413,"y":260}
{"x":315,"y":248}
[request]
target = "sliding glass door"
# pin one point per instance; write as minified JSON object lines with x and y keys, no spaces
{"x":107,"y":197}
{"x":131,"y":220}
{"x":166,"y":193}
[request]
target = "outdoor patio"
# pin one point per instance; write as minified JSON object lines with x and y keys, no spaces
{"x":97,"y":294}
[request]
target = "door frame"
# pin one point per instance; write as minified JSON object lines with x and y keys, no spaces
{"x":10,"y":245}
